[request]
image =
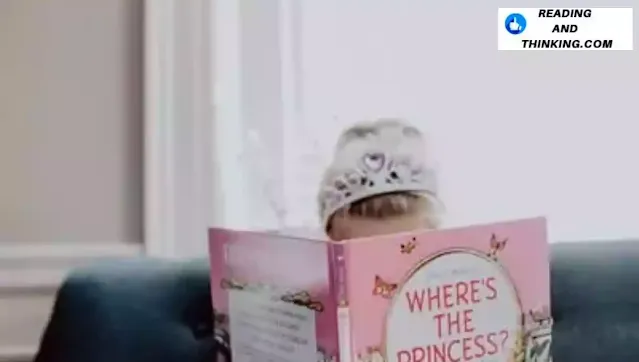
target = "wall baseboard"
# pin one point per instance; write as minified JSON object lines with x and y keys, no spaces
{"x":37,"y":266}
{"x":30,"y":274}
{"x":17,"y":354}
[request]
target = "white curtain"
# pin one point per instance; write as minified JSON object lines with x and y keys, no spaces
{"x":515,"y":134}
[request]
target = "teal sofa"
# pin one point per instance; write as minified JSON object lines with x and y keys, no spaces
{"x":147,"y":310}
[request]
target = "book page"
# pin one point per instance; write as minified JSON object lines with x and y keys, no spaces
{"x":265,"y":329}
{"x":272,"y":294}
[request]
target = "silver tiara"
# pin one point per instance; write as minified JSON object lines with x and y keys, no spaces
{"x":375,"y":173}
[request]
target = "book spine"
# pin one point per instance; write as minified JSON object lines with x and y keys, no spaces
{"x":340,"y":292}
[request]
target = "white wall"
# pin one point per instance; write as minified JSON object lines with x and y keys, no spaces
{"x":516,"y":134}
{"x":70,"y":149}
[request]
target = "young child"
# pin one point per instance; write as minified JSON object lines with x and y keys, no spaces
{"x":380,"y":182}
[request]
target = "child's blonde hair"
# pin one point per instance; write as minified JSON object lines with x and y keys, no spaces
{"x":391,"y":205}
{"x":403,"y":184}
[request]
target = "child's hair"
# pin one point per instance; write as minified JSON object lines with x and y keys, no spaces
{"x":391,"y":205}
{"x":380,"y":170}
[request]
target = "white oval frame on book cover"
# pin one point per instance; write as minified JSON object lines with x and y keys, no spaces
{"x":437,"y":313}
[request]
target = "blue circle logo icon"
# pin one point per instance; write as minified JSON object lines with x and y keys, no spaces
{"x":515,"y":24}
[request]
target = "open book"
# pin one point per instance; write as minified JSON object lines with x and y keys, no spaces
{"x":478,"y":293}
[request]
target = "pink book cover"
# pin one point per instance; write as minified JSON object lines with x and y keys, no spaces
{"x":477,"y":293}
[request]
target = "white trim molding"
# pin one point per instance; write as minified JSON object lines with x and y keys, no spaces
{"x":215,"y":119}
{"x":178,"y":127}
{"x":17,"y":354}
{"x":41,"y":267}
{"x":250,"y":114}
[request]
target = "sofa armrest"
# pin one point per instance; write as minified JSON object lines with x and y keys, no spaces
{"x":133,"y":310}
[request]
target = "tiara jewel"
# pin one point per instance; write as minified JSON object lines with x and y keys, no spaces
{"x":375,"y":173}
{"x":374,"y":161}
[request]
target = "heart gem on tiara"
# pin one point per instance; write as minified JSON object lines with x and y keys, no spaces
{"x":374,"y":161}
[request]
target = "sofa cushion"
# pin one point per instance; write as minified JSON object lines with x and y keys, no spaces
{"x":132,"y":311}
{"x":152,"y":310}
{"x":595,"y":301}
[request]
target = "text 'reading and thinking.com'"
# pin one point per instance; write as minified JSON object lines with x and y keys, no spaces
{"x":566,"y":28}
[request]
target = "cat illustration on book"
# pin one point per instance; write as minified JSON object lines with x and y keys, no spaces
{"x":322,"y":356}
{"x":496,"y":246}
{"x":539,"y":334}
{"x":408,"y":247}
{"x":372,"y":354}
{"x":221,"y":319}
{"x":303,"y":299}
{"x":540,"y":316}
{"x":384,"y":288}
{"x":540,"y":350}
{"x":232,"y":284}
